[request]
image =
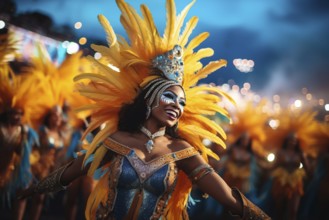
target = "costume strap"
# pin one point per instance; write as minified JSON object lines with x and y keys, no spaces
{"x":119,"y":148}
{"x":115,"y":146}
{"x":188,"y":152}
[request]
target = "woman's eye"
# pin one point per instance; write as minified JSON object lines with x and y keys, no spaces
{"x":182,"y":103}
{"x":168,"y":95}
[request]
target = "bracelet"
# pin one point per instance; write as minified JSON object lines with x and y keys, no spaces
{"x":52,"y":182}
{"x":200,"y":172}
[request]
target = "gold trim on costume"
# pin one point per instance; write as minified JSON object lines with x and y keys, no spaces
{"x":146,"y":169}
{"x":116,"y":147}
{"x":105,"y":209}
{"x":170,"y":181}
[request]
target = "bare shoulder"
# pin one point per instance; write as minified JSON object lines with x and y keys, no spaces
{"x":189,"y":163}
{"x":180,"y":144}
{"x":120,"y":136}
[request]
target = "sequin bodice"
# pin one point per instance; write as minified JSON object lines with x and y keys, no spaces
{"x":140,"y":188}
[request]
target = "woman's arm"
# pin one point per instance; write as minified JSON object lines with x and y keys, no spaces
{"x":74,"y":171}
{"x":211,"y":183}
{"x":57,"y":180}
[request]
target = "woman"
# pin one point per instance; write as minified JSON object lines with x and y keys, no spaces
{"x":16,"y":138}
{"x":288,"y":178}
{"x":246,"y":150}
{"x":51,"y":153}
{"x":238,"y":166}
{"x":16,"y":141}
{"x":143,"y":162}
{"x":296,"y":141}
{"x":142,"y":169}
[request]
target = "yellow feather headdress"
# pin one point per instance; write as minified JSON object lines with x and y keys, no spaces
{"x":252,"y":120}
{"x":16,"y":91}
{"x":322,"y":137}
{"x":303,"y":124}
{"x":55,"y":84}
{"x":110,"y":88}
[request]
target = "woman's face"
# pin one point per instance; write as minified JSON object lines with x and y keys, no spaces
{"x":55,"y":117}
{"x":245,"y":139}
{"x":171,"y":106}
{"x":292,"y":141}
{"x":15,"y":116}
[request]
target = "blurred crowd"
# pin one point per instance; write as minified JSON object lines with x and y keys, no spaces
{"x":279,"y":160}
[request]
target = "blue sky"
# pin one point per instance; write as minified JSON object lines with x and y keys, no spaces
{"x":287,"y":39}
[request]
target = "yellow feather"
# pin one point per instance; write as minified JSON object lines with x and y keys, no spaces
{"x":180,"y":20}
{"x":155,"y":38}
{"x":109,"y":53}
{"x":170,"y":26}
{"x":111,"y":37}
{"x":200,"y":54}
{"x":98,"y":78}
{"x":142,"y":33}
{"x":193,"y":130}
{"x":99,"y":155}
{"x":190,"y":25}
{"x":97,"y":195}
{"x":195,"y":42}
{"x":203,"y":73}
{"x":131,"y":24}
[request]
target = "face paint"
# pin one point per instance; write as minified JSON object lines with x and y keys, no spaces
{"x":170,"y":97}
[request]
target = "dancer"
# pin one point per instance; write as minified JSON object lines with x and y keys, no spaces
{"x":56,"y":90}
{"x":295,"y":137}
{"x":150,"y":151}
{"x":246,"y":140}
{"x":17,"y":138}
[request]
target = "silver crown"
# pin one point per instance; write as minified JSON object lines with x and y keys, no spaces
{"x":171,"y":64}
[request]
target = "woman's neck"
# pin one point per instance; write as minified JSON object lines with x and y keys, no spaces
{"x":153,"y":127}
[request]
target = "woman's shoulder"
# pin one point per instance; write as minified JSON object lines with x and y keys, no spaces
{"x":118,"y":134}
{"x":180,"y":144}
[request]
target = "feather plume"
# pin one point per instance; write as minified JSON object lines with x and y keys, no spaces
{"x":204,"y":72}
{"x":190,"y":25}
{"x":111,"y":36}
{"x":170,"y":26}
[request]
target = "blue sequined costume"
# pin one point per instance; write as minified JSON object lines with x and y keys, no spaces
{"x":19,"y":174}
{"x":139,"y":189}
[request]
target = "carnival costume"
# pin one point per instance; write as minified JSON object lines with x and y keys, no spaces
{"x":15,"y":93}
{"x":247,"y":121}
{"x":130,"y":188}
{"x":56,"y":87}
{"x":304,"y":126}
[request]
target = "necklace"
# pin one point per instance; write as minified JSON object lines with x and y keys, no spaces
{"x":149,"y":144}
